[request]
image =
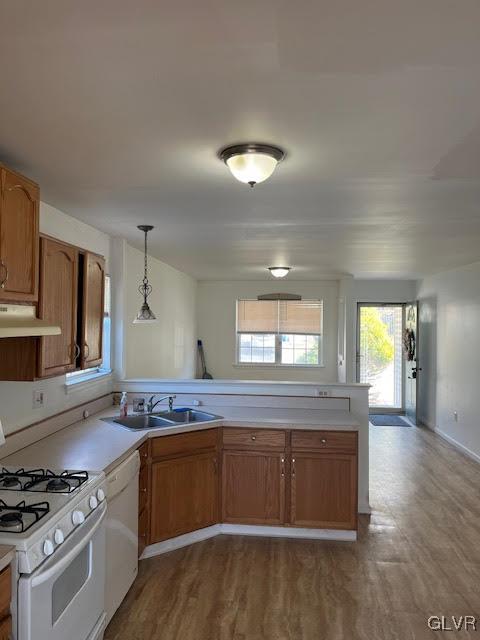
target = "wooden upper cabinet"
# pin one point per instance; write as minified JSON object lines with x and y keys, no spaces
{"x":93,"y":310}
{"x":324,"y":490}
{"x":253,"y":487}
{"x":19,"y":237}
{"x":58,"y":305}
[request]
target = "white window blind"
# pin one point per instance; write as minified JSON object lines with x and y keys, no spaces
{"x":280,"y":332}
{"x":280,"y":316}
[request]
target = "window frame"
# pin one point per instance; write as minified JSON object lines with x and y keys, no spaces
{"x":278,"y":345}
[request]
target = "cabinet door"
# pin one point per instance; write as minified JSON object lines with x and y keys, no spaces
{"x":6,"y":628}
{"x":253,"y":487}
{"x":58,"y":305}
{"x":93,"y":310}
{"x":324,"y":490}
{"x":19,"y":201}
{"x":184,"y":495}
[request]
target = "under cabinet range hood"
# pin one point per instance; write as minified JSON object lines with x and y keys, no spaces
{"x":18,"y":321}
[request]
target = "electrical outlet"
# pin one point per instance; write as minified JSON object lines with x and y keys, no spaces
{"x":321,"y":393}
{"x":455,"y":416}
{"x":39,"y":399}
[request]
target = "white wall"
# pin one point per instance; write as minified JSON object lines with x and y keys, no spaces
{"x":16,"y":409}
{"x":216,"y":327}
{"x":166,"y":349}
{"x":385,"y":290}
{"x":449,"y":348}
{"x":63,"y":227}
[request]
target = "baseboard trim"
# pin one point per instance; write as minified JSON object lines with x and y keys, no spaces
{"x":460,"y":447}
{"x":364,"y":508}
{"x":288,"y":532}
{"x":246,"y":530}
{"x":180,"y":541}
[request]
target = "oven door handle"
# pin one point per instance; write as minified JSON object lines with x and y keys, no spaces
{"x":88,"y":530}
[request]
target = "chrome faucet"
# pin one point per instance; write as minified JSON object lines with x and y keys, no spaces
{"x":151,"y":405}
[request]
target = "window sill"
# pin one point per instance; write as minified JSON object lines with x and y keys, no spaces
{"x":88,"y":380}
{"x":266,"y":365}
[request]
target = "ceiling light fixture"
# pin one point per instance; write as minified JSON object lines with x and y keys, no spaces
{"x":251,"y":162}
{"x":279,"y":272}
{"x":145,"y":314}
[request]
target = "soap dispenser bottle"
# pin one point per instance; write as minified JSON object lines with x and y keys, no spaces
{"x":123,"y":405}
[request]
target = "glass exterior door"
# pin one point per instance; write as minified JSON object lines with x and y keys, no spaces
{"x":379,"y":354}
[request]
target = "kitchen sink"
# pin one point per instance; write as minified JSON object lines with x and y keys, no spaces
{"x":146,"y":421}
{"x":190,"y":415}
{"x":138,"y":423}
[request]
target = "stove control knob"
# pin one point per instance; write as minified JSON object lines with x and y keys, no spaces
{"x":48,"y":548}
{"x":58,"y":536}
{"x":100,"y":495}
{"x":78,"y":517}
{"x":93,"y":502}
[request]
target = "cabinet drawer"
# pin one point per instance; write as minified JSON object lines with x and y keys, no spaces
{"x":143,"y":453}
{"x":5,"y":592}
{"x":184,"y":443}
{"x":6,"y":628}
{"x":142,"y":488}
{"x":336,"y":441}
{"x":238,"y":438}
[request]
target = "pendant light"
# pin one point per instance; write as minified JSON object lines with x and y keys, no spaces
{"x":251,"y":162}
{"x":145,"y":314}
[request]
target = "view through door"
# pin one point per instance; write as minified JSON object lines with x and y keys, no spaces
{"x":379,"y":354}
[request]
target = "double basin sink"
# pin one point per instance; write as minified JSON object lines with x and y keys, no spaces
{"x":162,"y":419}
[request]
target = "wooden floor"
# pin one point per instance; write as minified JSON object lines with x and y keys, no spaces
{"x":418,"y":555}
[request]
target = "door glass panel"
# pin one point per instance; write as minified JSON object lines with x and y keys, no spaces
{"x":69,"y":583}
{"x":380,"y":354}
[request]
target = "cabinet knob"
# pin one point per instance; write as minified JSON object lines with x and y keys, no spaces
{"x":323,"y":441}
{"x":143,"y":490}
{"x":254,"y":437}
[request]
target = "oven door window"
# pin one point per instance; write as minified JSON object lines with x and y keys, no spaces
{"x":69,"y":583}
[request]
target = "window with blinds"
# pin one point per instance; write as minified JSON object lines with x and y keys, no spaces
{"x":280,"y":332}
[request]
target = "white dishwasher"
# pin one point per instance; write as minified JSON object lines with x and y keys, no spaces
{"x":122,"y":532}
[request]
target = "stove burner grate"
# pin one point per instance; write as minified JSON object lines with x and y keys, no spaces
{"x":10,"y":519}
{"x":42,"y":480}
{"x":12,"y":516}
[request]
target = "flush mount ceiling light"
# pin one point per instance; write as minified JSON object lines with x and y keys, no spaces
{"x":145,"y":314}
{"x":251,"y":163}
{"x":279,"y":272}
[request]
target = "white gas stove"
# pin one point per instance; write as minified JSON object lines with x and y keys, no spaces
{"x":56,"y":521}
{"x":40,"y":508}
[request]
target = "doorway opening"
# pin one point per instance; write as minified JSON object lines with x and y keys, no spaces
{"x":380,"y":361}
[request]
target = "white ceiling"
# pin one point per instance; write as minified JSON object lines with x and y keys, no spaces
{"x":118,"y":109}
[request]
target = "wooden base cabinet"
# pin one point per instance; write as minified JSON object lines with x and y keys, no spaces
{"x":5,"y":597}
{"x":275,"y":477}
{"x":323,"y":490}
{"x":184,"y":495}
{"x":253,"y":487}
{"x":292,"y":478}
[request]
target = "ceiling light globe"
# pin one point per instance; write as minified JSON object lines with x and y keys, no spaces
{"x":251,"y":168}
{"x":251,"y":163}
{"x":279,"y":272}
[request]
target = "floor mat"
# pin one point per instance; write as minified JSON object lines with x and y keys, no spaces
{"x":386,"y":420}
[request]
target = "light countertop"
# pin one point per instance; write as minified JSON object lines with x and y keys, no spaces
{"x":95,"y":445}
{"x":7,"y":554}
